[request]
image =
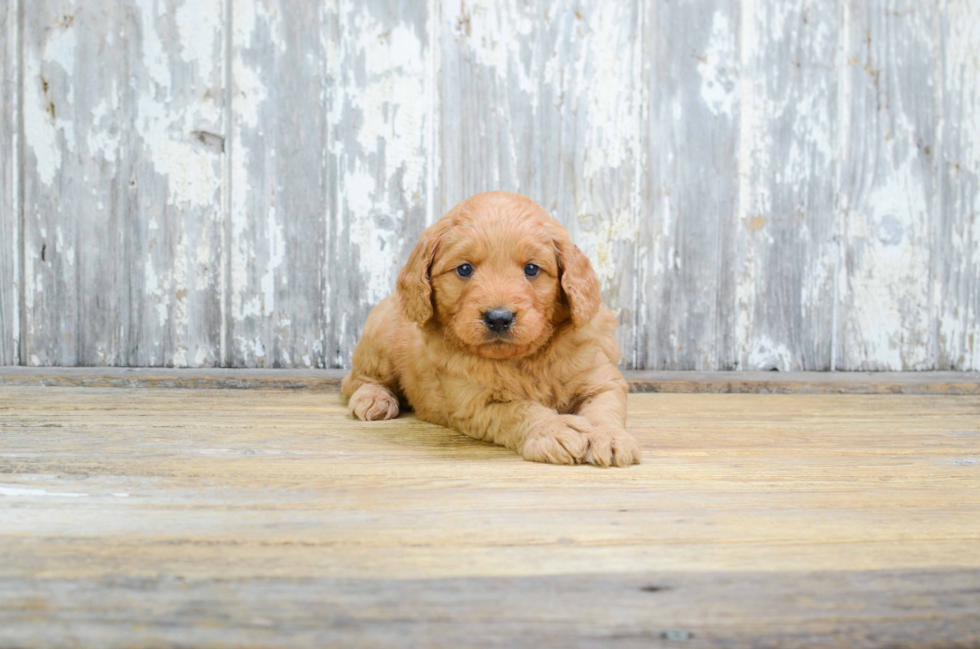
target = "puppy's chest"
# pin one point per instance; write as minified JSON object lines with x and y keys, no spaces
{"x":543,"y":385}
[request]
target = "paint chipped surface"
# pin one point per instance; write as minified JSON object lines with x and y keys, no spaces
{"x":47,"y":76}
{"x":381,"y":119}
{"x":789,"y":186}
{"x":716,"y":65}
{"x":785,"y":238}
{"x":956,"y":279}
{"x":277,"y":173}
{"x":10,"y":254}
{"x":887,"y":308}
{"x":120,"y":185}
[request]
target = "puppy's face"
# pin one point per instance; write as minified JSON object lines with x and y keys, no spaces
{"x":496,"y":275}
{"x":495,"y":284}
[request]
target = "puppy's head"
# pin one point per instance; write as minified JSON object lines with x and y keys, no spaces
{"x":496,"y":275}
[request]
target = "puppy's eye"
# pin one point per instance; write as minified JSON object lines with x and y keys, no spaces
{"x":464,"y":270}
{"x":531,"y":270}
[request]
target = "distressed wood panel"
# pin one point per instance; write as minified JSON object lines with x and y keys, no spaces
{"x":786,"y":253}
{"x":544,"y":98}
{"x":759,"y":184}
{"x":957,"y":242}
{"x":889,"y":184}
{"x":177,"y":151}
{"x":9,"y":188}
{"x":687,"y":311}
{"x":122,"y":182}
{"x":382,"y":130}
{"x":278,"y":157}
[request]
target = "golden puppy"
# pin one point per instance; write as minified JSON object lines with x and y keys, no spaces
{"x":497,"y":329}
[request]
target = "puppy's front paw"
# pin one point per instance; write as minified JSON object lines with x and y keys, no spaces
{"x":611,"y":446}
{"x":372,"y":402}
{"x":557,"y":440}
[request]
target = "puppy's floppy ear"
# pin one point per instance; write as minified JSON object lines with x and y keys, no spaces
{"x":578,"y":282}
{"x":414,"y":284}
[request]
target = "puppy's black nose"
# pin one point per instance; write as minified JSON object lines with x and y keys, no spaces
{"x":498,"y":320}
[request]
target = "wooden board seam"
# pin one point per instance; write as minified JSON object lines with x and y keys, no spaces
{"x":950,"y":383}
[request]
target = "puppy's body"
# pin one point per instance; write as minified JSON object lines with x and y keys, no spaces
{"x":546,"y":385}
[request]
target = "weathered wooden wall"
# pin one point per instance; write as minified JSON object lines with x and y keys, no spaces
{"x":9,"y":193}
{"x":789,"y":184}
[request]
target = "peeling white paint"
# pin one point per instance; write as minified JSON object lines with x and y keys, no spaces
{"x":60,"y":49}
{"x":180,"y":316}
{"x":716,"y":64}
{"x":888,"y":291}
{"x":103,"y":137}
{"x":888,"y":321}
{"x":766,"y":354}
{"x":385,"y":168}
{"x":156,"y":61}
{"x":192,"y":177}
{"x":160,"y":293}
{"x":611,"y":129}
{"x":493,"y":30}
{"x":958,"y":298}
{"x":250,"y":92}
{"x":251,"y":348}
{"x":598,"y":242}
{"x":277,"y":251}
{"x":375,"y":244}
{"x":390,"y":101}
{"x":40,"y":130}
{"x":786,"y":165}
{"x":199,"y":26}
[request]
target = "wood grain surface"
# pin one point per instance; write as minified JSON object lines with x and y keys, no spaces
{"x":123,"y":116}
{"x":760,"y":184}
{"x":177,"y":517}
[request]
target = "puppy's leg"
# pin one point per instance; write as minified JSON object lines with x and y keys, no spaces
{"x":537,"y":433}
{"x":609,"y":442}
{"x":369,"y":385}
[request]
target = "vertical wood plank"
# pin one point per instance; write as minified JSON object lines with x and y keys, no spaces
{"x":74,"y":199}
{"x":957,"y":243}
{"x":123,"y":104}
{"x":278,"y":184}
{"x":9,"y":210}
{"x":544,"y":98}
{"x":889,"y":185}
{"x":381,"y":123}
{"x":687,"y":315}
{"x":787,"y":169}
{"x":175,"y":218}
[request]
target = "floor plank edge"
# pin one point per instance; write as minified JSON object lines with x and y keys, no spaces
{"x":949,"y":383}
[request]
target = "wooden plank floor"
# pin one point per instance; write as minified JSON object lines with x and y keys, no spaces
{"x":267,"y":518}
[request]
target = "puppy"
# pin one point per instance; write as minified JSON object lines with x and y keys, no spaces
{"x":497,"y":330}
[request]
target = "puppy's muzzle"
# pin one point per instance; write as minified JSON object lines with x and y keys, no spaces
{"x":498,"y":320}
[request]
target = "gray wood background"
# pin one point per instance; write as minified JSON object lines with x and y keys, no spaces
{"x":760,"y":184}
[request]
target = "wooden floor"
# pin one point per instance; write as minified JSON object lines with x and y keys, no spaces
{"x":134,"y":517}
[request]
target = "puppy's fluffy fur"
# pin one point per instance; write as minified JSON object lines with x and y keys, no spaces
{"x":547,"y":387}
